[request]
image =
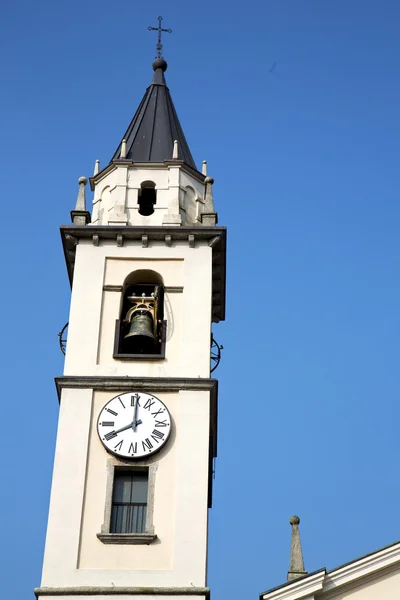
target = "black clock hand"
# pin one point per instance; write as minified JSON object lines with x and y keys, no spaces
{"x":124,"y":428}
{"x":134,"y":422}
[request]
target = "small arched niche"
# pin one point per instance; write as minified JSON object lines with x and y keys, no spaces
{"x":140,"y":330}
{"x":147,"y":198}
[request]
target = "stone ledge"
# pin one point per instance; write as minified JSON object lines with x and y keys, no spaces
{"x":120,"y":591}
{"x":143,"y":384}
{"x":127,"y":538}
{"x":215,"y":237}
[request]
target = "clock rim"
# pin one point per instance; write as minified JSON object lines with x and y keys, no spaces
{"x":135,"y":458}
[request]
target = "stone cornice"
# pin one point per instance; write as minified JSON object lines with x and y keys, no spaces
{"x":214,"y":236}
{"x":363,"y":567}
{"x":151,"y":385}
{"x":144,"y":165}
{"x":120,"y":591}
{"x":304,"y":587}
{"x":144,"y":384}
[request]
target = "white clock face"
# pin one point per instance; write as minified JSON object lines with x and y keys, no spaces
{"x":134,"y":425}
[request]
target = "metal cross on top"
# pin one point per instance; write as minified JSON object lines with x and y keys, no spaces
{"x":160,"y":30}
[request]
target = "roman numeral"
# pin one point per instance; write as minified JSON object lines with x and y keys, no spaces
{"x":133,"y":448}
{"x":157,"y":435}
{"x":159,"y":412}
{"x":133,"y":398}
{"x":107,"y":423}
{"x":162,"y":423}
{"x":110,"y":436}
{"x":118,"y":446}
{"x":121,"y":401}
{"x":147,"y":445}
{"x":149,"y":404}
{"x":111,"y":411}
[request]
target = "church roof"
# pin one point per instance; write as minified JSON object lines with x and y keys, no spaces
{"x":154,"y":128}
{"x":351,"y":574}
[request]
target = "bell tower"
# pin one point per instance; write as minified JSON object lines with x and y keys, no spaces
{"x":137,"y":432}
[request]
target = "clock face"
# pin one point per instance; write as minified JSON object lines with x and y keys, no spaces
{"x":134,"y":425}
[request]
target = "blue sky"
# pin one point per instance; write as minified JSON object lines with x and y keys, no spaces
{"x":306,"y":164}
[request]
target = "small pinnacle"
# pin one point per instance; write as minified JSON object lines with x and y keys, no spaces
{"x":175,"y":150}
{"x":80,"y":216}
{"x":204,"y":167}
{"x":296,"y":568}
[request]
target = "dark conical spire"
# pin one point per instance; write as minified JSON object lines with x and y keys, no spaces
{"x":154,"y":128}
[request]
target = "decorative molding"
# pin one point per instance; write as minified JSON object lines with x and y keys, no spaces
{"x":363,"y":567}
{"x":145,"y":241}
{"x":134,"y":235}
{"x":112,"y":288}
{"x":171,"y":289}
{"x":304,"y":588}
{"x":96,"y":178}
{"x":153,"y":385}
{"x":144,"y":384}
{"x":71,"y":241}
{"x":127,"y":538}
{"x":120,"y":591}
{"x":120,"y":240}
{"x":191,"y":240}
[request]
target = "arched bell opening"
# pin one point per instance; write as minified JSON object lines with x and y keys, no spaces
{"x":140,"y":330}
{"x":147,"y":198}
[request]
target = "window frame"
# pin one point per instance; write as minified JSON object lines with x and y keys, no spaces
{"x":125,"y":511}
{"x":149,"y":535}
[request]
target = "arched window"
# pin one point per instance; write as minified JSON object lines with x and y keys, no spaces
{"x":140,"y":330}
{"x":147,"y":198}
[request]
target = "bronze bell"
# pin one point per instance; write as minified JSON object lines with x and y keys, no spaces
{"x":141,"y":325}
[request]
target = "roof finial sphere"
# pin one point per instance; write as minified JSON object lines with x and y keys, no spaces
{"x":294,"y":520}
{"x":160,"y":63}
{"x":82,"y":180}
{"x":209,"y":179}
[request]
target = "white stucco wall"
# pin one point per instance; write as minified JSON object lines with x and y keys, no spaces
{"x":74,"y":556}
{"x":94,"y":311}
{"x":116,"y":195}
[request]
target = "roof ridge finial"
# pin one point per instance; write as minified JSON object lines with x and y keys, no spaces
{"x":159,"y":46}
{"x":296,"y":568}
